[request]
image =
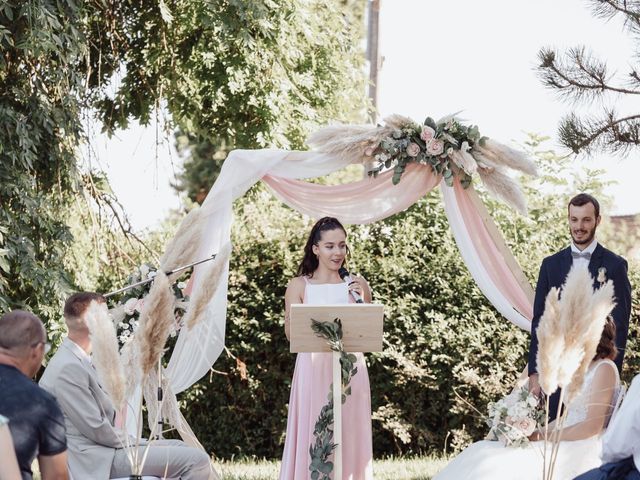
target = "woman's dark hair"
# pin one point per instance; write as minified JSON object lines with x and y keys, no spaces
{"x":309,"y":262}
{"x":607,"y":346}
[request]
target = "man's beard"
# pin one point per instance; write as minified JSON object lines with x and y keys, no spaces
{"x":587,"y":239}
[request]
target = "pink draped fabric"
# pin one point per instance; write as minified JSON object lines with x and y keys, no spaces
{"x":365,"y":201}
{"x":490,"y":256}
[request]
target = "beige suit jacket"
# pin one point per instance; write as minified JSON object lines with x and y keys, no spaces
{"x":89,"y":413}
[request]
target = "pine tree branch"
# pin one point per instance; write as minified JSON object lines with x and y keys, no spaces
{"x":580,"y":77}
{"x":611,"y":133}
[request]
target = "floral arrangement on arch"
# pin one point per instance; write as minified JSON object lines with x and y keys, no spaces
{"x":126,"y":312}
{"x":451,"y":148}
{"x":432,"y":144}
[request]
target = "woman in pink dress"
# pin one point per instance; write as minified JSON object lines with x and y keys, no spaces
{"x":317,"y":283}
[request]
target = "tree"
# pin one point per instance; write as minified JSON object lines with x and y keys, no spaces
{"x":239,"y":74}
{"x":578,"y":76}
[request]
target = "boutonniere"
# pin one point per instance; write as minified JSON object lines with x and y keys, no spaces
{"x":602,"y":275}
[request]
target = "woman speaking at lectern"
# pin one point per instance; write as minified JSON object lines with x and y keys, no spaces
{"x":318,"y":283}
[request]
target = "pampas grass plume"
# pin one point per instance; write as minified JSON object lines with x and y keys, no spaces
{"x":182,"y":249}
{"x":600,"y":306}
{"x":550,"y":342}
{"x":208,"y":286}
{"x":106,"y":358}
{"x":156,"y":320}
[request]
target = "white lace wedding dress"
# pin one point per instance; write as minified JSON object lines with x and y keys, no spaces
{"x":492,"y":460}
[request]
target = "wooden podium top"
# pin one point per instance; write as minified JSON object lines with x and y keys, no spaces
{"x":361,"y":326}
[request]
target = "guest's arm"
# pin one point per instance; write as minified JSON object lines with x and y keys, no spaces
{"x":53,"y":467}
{"x":8,"y":464}
{"x":74,"y":396}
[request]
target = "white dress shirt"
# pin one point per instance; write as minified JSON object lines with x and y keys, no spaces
{"x":622,"y":438}
{"x":590,"y":249}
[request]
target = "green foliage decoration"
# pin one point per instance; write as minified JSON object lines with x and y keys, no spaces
{"x":323,"y":445}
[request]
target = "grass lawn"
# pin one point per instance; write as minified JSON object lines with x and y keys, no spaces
{"x":420,"y":468}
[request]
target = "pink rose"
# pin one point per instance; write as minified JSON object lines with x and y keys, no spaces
{"x":435,"y":147}
{"x":413,"y":149}
{"x":427,"y":134}
{"x":525,"y":425}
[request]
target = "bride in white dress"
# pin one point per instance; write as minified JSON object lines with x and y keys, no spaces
{"x":580,"y":446}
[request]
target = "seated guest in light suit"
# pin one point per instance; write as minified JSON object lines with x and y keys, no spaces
{"x":621,"y":442}
{"x":95,"y":444}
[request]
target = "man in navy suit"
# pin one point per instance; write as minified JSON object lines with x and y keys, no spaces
{"x":584,"y":218}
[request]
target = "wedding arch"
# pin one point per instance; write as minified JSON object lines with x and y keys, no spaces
{"x":405,"y":160}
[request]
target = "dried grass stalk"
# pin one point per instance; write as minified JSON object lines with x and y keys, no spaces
{"x":105,"y":354}
{"x":500,"y":155}
{"x":182,"y":249}
{"x":208,"y":286}
{"x":550,"y":342}
{"x":600,"y":307}
{"x":156,"y":320}
{"x":504,"y":187}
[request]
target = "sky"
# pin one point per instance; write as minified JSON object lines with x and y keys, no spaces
{"x":439,"y":58}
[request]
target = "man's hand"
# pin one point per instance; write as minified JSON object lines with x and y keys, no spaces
{"x":534,"y":385}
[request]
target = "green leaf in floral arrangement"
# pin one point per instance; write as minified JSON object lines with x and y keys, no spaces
{"x":430,"y":122}
{"x":482,"y":141}
{"x":315,"y":475}
{"x":326,"y":468}
{"x":449,"y":181}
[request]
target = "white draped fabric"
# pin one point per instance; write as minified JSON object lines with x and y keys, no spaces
{"x":360,"y":202}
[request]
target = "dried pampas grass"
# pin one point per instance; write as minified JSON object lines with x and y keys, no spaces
{"x":156,"y":320}
{"x":600,"y":307}
{"x":570,"y":330}
{"x":208,"y":286}
{"x":550,"y":341}
{"x":105,"y":354}
{"x":503,"y":187}
{"x":496,"y":154}
{"x":182,"y":249}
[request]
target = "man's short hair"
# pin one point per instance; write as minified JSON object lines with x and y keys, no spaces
{"x":77,"y":304}
{"x":584,"y":198}
{"x":19,"y":329}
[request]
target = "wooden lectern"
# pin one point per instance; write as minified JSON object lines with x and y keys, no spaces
{"x":361,"y":332}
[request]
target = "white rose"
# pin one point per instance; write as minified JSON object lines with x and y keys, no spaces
{"x":129,"y":306}
{"x":182,"y":285}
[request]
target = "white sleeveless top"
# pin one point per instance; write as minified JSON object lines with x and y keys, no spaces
{"x":326,"y":293}
{"x":578,"y":409}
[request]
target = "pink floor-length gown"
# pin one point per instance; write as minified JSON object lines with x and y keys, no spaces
{"x":309,"y":390}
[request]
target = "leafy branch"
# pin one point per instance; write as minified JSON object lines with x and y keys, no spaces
{"x":324,"y":444}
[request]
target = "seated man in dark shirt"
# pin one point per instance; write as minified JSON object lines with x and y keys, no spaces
{"x":35,"y":419}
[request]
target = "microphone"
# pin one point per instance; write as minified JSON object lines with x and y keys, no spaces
{"x":344,"y":275}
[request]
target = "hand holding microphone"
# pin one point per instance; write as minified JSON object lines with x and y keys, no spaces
{"x":344,"y":275}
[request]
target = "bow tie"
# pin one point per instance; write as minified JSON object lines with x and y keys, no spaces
{"x":585,"y":255}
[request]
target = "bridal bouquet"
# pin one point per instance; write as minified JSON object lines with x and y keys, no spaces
{"x":515,"y":417}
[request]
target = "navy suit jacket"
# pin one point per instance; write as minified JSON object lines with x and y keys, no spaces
{"x":554,"y":271}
